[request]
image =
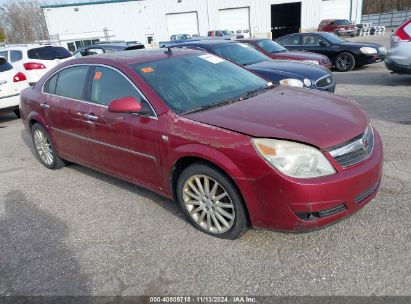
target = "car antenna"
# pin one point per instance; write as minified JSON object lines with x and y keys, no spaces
{"x":168,"y":52}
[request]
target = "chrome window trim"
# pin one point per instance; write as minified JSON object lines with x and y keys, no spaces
{"x":96,"y":104}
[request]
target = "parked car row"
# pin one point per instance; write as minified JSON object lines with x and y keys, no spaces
{"x":290,"y":73}
{"x":204,"y":122}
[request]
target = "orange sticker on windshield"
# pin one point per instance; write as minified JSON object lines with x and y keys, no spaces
{"x":147,"y":70}
{"x":97,"y":75}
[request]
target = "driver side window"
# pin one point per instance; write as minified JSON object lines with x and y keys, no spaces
{"x":312,"y":40}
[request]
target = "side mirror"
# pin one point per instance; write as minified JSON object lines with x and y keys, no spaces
{"x":127,"y":104}
{"x":322,"y":43}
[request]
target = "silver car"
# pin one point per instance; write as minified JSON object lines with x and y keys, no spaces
{"x":398,"y":59}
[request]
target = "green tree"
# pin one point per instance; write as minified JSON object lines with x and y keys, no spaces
{"x":2,"y":35}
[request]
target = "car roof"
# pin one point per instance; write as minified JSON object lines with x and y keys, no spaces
{"x":26,"y":46}
{"x":208,"y":42}
{"x":251,"y":39}
{"x":136,"y":56}
{"x":112,"y":45}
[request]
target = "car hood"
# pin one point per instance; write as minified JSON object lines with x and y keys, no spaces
{"x":299,"y":55}
{"x":320,"y":119}
{"x":310,"y":71}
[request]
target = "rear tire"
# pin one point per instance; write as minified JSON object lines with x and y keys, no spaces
{"x":211,"y":201}
{"x":344,"y":62}
{"x":45,"y":151}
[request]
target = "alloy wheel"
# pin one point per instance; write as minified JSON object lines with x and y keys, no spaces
{"x":43,"y":147}
{"x":208,"y":204}
{"x":343,"y":62}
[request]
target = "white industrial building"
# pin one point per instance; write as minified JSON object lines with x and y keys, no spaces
{"x":151,"y":21}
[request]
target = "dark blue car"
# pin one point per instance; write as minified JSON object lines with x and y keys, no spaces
{"x":284,"y":72}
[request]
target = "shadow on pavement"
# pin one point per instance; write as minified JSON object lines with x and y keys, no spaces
{"x":34,"y":259}
{"x":6,"y":117}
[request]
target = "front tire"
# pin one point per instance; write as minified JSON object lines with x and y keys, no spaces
{"x":211,"y":202}
{"x":344,"y":62}
{"x":44,"y":148}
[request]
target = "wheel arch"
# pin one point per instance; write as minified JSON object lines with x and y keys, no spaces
{"x":219,"y":162}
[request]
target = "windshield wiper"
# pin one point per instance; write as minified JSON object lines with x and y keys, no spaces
{"x":244,"y":96}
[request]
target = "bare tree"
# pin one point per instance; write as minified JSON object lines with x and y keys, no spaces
{"x":23,"y":22}
{"x":383,"y":6}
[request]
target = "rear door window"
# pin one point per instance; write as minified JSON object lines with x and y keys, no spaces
{"x":48,"y":53}
{"x":290,"y":40}
{"x":50,"y":85}
{"x":312,"y":40}
{"x":71,"y":81}
{"x":16,"y":56}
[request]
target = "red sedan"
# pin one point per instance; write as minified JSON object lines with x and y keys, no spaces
{"x":276,"y":51}
{"x":231,"y":148}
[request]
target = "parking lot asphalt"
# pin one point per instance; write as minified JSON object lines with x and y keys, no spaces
{"x":75,"y":231}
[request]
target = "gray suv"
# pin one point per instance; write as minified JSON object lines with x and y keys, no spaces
{"x":398,"y":59}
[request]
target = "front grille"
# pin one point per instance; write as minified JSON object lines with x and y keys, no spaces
{"x":362,"y":196}
{"x":324,"y":60}
{"x":355,"y":150}
{"x":325,"y":81}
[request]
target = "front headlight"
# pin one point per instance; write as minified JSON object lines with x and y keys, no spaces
{"x":307,"y":82}
{"x":368,"y":50}
{"x":293,"y":159}
{"x":311,"y":61}
{"x":292,"y":82}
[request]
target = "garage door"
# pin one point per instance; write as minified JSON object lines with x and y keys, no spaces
{"x":235,"y":19}
{"x":182,"y":23}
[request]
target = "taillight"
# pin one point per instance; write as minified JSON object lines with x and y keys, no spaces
{"x":19,"y":77}
{"x":401,"y":33}
{"x":33,"y":66}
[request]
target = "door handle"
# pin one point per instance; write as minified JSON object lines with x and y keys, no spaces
{"x":90,"y":117}
{"x":44,"y":105}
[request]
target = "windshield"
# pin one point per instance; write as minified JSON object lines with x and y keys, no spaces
{"x":342,"y":22}
{"x":332,"y":38}
{"x":225,"y":32}
{"x":270,"y":46}
{"x":186,"y":83}
{"x":239,"y":53}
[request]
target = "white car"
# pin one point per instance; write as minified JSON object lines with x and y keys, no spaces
{"x":398,"y":59}
{"x":34,"y":60}
{"x":11,"y":84}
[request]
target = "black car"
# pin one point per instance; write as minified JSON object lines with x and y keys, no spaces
{"x":102,"y":48}
{"x":284,"y":72}
{"x":344,"y":55}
